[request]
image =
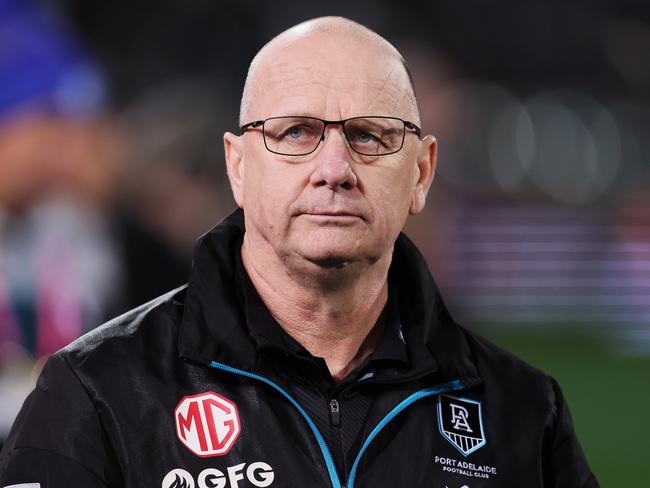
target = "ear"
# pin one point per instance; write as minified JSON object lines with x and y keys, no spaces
{"x":233,"y":146}
{"x":426,"y":168}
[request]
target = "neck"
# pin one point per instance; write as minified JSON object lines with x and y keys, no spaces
{"x":338,"y":323}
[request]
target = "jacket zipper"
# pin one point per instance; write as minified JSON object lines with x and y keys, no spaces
{"x":337,"y":435}
{"x":336,"y":412}
{"x":327,"y":455}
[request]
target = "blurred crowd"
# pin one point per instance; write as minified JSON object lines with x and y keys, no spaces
{"x":99,"y":209}
{"x":111,"y":161}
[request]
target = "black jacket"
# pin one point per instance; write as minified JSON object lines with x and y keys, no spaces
{"x":174,"y":394}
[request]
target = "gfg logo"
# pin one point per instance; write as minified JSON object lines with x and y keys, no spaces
{"x":208,"y":424}
{"x":256,"y":474}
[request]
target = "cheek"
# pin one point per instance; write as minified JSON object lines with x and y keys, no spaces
{"x":391,"y":189}
{"x":391,"y":196}
{"x":270,"y":188}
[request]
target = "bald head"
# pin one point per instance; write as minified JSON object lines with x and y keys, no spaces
{"x":330,"y":40}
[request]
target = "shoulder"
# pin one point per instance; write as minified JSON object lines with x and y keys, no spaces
{"x":151,"y":326}
{"x":495,"y":357}
{"x":81,"y":386}
{"x":511,"y":378}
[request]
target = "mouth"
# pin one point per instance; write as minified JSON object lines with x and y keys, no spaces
{"x":333,"y":215}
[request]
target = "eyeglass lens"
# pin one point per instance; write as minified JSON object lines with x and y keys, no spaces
{"x":372,"y":136}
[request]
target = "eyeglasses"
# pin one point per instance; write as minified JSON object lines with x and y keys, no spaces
{"x":299,"y":136}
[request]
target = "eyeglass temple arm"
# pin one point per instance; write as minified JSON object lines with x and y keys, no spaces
{"x":253,"y":125}
{"x":413,"y":127}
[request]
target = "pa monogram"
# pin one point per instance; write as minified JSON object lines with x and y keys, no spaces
{"x":460,"y":421}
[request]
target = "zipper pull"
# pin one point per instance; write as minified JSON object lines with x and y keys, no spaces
{"x":334,"y":409}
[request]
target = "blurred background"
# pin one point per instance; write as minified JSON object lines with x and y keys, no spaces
{"x":538,"y":223}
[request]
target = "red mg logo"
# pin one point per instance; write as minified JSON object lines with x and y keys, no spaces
{"x":207,"y":423}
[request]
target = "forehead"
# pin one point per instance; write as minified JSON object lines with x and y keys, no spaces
{"x":330,"y":78}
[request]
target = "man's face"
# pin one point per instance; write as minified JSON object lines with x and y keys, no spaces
{"x":332,"y":207}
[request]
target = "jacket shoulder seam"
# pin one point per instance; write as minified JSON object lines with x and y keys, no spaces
{"x":122,"y":324}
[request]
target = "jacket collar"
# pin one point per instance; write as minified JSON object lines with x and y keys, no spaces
{"x":214,"y":326}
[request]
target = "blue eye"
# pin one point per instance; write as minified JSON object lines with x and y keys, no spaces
{"x":364,"y":137}
{"x":295,"y":132}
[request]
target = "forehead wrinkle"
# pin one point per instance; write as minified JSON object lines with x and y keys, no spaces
{"x":389,"y":90}
{"x":281,"y":90}
{"x":385,"y":91}
{"x":278,"y":70}
{"x":397,"y":84}
{"x":275,"y":75}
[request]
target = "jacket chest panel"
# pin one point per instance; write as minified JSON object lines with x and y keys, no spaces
{"x":442,"y":441}
{"x":230,"y":430}
{"x":213,"y":435}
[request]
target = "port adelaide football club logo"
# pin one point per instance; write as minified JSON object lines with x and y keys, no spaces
{"x":460,"y":421}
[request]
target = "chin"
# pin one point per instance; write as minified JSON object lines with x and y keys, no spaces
{"x":328,"y":268}
{"x":329,"y":251}
{"x":326,"y":253}
{"x":332,"y":261}
{"x":328,"y":272}
{"x":338,"y":258}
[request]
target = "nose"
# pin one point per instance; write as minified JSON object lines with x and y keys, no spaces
{"x":334,"y":168}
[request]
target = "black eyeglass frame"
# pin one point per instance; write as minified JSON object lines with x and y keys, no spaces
{"x":407,"y":125}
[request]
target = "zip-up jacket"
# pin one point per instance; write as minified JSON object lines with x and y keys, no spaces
{"x":175,"y":394}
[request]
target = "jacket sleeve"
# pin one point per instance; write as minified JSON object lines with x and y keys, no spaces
{"x":57,"y":439}
{"x":565,"y":464}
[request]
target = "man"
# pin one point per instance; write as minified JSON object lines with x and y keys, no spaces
{"x":310,"y":347}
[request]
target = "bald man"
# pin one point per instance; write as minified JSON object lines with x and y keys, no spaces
{"x":311,"y":347}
